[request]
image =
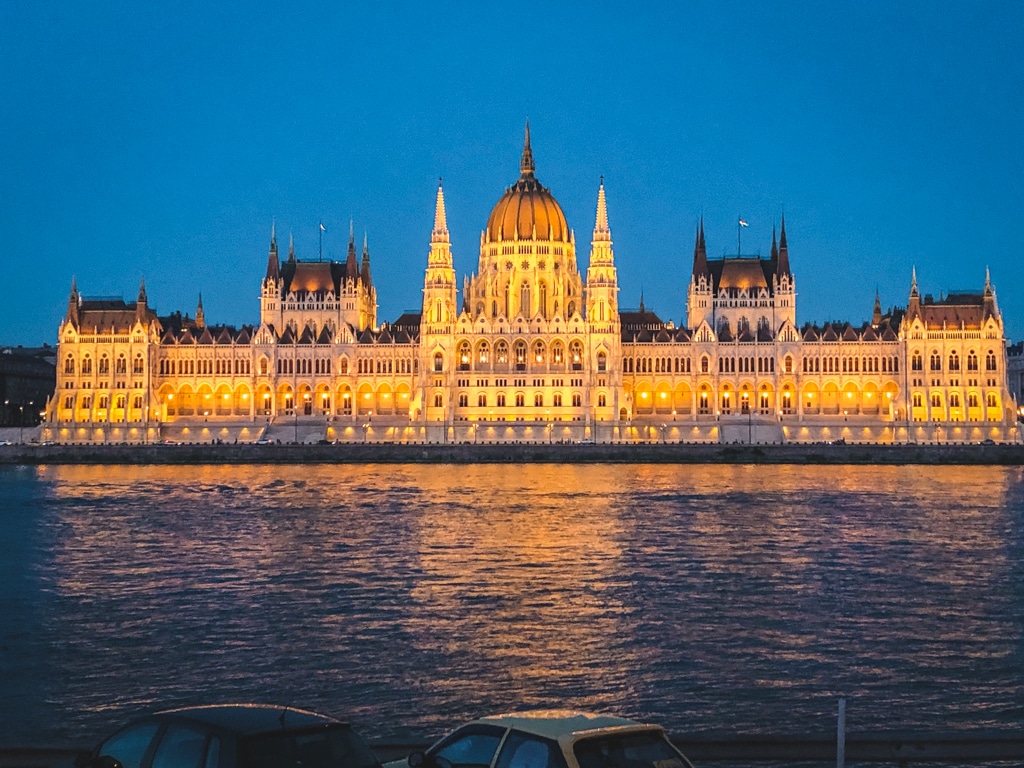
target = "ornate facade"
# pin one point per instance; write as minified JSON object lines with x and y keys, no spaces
{"x":536,"y":351}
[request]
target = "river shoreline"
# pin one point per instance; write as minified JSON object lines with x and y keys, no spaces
{"x":515,"y":453}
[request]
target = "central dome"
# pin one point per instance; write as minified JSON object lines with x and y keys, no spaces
{"x":527,"y":210}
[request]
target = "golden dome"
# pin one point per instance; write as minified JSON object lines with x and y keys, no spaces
{"x":527,"y":209}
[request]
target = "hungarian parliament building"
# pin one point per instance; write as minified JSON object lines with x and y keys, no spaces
{"x":533,"y":350}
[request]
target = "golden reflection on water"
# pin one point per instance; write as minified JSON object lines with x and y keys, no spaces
{"x":421,"y":594}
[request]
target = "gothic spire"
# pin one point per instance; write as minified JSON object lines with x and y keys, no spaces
{"x":775,"y":248}
{"x":72,"y":315}
{"x":440,"y":233}
{"x":783,"y":268}
{"x":364,"y":274}
{"x":273,"y":266}
{"x":913,"y":281}
{"x":291,"y":247}
{"x":200,"y":315}
{"x":602,"y":232}
{"x":876,"y":315}
{"x":351,"y":265}
{"x":526,"y":166}
{"x":700,"y":254}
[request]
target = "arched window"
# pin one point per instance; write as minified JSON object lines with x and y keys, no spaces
{"x":557,"y":353}
{"x":343,"y":365}
{"x":538,"y":352}
{"x":463,"y":400}
{"x":954,"y":361}
{"x":122,"y":365}
{"x":86,"y":364}
{"x":990,"y":361}
{"x":936,"y":362}
{"x":104,"y":365}
{"x":438,"y":362}
{"x":501,"y":352}
{"x":538,"y":399}
{"x":69,"y":364}
{"x":520,"y":399}
{"x":602,"y":400}
{"x":520,"y":353}
{"x":789,"y":364}
{"x":524,"y":300}
{"x":576,"y":355}
{"x":438,"y":400}
{"x":556,"y":399}
{"x":705,"y":364}
{"x":481,"y":400}
{"x":138,"y":365}
{"x":483,"y":354}
{"x":463,"y":356}
{"x":602,"y":362}
{"x":972,"y":361}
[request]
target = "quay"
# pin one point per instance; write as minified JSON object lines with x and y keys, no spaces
{"x":1006,"y":454}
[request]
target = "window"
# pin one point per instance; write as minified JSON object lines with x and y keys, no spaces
{"x":602,"y":400}
{"x":954,"y":361}
{"x":69,"y":364}
{"x":602,"y":362}
{"x":481,"y":400}
{"x":463,"y":400}
{"x":936,"y":362}
{"x":577,"y":400}
{"x":918,"y":400}
{"x":520,"y":400}
{"x":705,"y":364}
{"x":87,"y":365}
{"x":438,"y":361}
{"x":538,"y":352}
{"x":538,"y":400}
{"x":789,"y":364}
{"x":991,"y":399}
{"x":501,"y":399}
{"x":501,"y":352}
{"x":474,"y":746}
{"x":138,"y":365}
{"x":972,"y":361}
{"x":180,"y":747}
{"x":122,"y":365}
{"x":484,"y":352}
{"x":557,"y":400}
{"x":438,"y":400}
{"x":576,"y":355}
{"x":463,"y":356}
{"x":990,"y":361}
{"x":936,"y":400}
{"x":524,"y":751}
{"x":104,"y":364}
{"x":129,"y":746}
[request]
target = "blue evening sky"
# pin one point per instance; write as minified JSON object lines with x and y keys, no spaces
{"x":160,"y":140}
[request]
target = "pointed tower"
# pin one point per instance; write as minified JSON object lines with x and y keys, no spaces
{"x":604,"y":337}
{"x":783,"y":257}
{"x":699,"y":294}
{"x":270,"y":290}
{"x":991,"y":309}
{"x":526,"y":166}
{"x":914,"y":301}
{"x":437,"y":325}
{"x":351,"y":265}
{"x":784,"y":284}
{"x":73,"y":301}
{"x":273,"y":265}
{"x":364,"y":270}
{"x":876,"y":314}
{"x":141,"y":302}
{"x":775,"y":254}
{"x":200,"y":315}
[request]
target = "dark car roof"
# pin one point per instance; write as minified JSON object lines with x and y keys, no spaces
{"x":249,"y":719}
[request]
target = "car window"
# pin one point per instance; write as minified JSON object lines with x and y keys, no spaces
{"x":129,"y":745}
{"x":473,"y":745}
{"x":524,"y":751}
{"x":180,"y":747}
{"x":644,"y":749}
{"x":213,"y":753}
{"x":336,"y":747}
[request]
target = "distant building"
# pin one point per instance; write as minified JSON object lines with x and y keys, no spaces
{"x":27,"y":380}
{"x":536,"y":349}
{"x":1015,"y":375}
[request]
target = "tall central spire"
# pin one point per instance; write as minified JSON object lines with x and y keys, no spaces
{"x":440,"y":233}
{"x":526,"y":167}
{"x":602,"y":232}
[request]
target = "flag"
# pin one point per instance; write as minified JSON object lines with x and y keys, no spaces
{"x":324,"y":229}
{"x":743,"y":223}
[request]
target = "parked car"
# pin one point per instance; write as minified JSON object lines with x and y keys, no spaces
{"x":552,"y":739}
{"x":233,"y":736}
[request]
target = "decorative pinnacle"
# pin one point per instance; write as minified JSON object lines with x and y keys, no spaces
{"x":440,"y":234}
{"x":526,"y":166}
{"x":601,"y":229}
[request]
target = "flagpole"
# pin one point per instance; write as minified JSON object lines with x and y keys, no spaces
{"x":321,"y":257}
{"x":739,"y":230}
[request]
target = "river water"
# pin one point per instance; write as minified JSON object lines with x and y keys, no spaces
{"x":410,"y":598}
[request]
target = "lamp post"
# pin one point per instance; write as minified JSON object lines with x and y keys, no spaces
{"x":21,"y":423}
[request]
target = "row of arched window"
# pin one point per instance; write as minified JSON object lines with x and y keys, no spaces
{"x":521,"y":355}
{"x":846,"y":364}
{"x":103,"y":366}
{"x":953,"y":361}
{"x":519,"y":400}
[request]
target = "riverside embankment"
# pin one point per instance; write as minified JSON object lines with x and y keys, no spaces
{"x":514,"y":453}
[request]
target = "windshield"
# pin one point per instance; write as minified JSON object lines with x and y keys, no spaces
{"x":335,"y":747}
{"x":643,"y":749}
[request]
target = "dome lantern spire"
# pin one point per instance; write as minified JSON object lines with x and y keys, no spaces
{"x":526,"y":166}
